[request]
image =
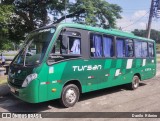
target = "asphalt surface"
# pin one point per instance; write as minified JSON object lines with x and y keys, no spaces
{"x":116,"y":99}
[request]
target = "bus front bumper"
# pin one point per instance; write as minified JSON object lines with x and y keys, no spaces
{"x":27,"y":94}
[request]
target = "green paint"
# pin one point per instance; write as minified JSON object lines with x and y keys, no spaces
{"x":108,"y":64}
{"x":119,"y":63}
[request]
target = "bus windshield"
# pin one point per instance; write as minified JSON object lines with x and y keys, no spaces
{"x":35,"y":47}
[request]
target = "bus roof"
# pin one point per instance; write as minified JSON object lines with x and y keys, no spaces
{"x":110,"y":31}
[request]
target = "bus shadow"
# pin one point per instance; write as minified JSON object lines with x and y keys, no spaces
{"x":107,"y":91}
{"x":12,"y":104}
{"x":142,"y":84}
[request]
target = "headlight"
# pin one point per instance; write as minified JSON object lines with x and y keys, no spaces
{"x":28,"y":79}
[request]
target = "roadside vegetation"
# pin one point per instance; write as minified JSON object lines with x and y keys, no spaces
{"x":3,"y":79}
{"x":158,"y":59}
{"x":9,"y":54}
{"x":158,"y":47}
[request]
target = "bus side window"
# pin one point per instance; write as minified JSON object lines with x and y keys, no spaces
{"x":64,"y":45}
{"x":74,"y":45}
{"x":129,"y":48}
{"x":141,"y":49}
{"x":96,"y":45}
{"x":120,"y":45}
{"x":67,"y":44}
{"x":144,"y":49}
{"x":138,"y":49}
{"x":56,"y":46}
{"x":151,"y":49}
{"x":108,"y":48}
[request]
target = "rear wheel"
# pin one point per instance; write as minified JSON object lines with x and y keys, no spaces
{"x":70,"y":95}
{"x":135,"y":82}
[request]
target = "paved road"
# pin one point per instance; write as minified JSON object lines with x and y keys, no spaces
{"x":117,"y":99}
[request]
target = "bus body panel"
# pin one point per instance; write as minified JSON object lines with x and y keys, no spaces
{"x":55,"y":73}
{"x":43,"y":78}
{"x":102,"y":76}
{"x":92,"y":74}
{"x":29,"y":94}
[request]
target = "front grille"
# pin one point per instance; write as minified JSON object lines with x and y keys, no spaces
{"x":18,"y":82}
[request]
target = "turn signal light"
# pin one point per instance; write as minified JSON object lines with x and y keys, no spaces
{"x":54,"y":90}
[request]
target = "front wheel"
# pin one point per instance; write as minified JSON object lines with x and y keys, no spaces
{"x":135,"y":82}
{"x":70,"y":95}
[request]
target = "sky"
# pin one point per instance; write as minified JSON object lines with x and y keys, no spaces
{"x":135,"y":14}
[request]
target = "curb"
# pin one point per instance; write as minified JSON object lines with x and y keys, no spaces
{"x":4,"y":90}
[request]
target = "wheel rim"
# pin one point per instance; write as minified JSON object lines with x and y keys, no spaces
{"x":136,"y":82}
{"x":70,"y":96}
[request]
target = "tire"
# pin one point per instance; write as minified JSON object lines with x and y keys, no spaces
{"x":135,"y":82}
{"x":69,"y":96}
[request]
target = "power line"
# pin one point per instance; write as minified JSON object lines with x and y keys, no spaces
{"x":125,"y":12}
{"x":135,"y":21}
{"x":136,"y":9}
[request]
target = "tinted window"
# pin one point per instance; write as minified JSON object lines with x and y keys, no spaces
{"x":96,"y":45}
{"x":151,"y":49}
{"x":120,"y":47}
{"x":67,"y":44}
{"x":129,"y":48}
{"x":141,"y":49}
{"x":74,"y":45}
{"x":108,"y":49}
{"x":138,"y":48}
{"x":144,"y":49}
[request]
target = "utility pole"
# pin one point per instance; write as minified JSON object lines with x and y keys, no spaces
{"x":154,"y":12}
{"x":150,"y":19}
{"x":65,"y":2}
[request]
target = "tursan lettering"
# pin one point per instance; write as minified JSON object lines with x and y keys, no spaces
{"x":87,"y":67}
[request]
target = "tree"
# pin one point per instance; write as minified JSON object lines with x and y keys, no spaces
{"x":155,"y":35}
{"x":35,"y":13}
{"x":28,"y":15}
{"x":5,"y":13}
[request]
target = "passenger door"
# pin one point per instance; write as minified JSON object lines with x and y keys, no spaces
{"x":66,"y":49}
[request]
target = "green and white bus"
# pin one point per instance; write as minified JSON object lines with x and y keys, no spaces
{"x":64,"y":60}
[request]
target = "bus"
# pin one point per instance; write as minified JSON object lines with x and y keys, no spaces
{"x":70,"y":59}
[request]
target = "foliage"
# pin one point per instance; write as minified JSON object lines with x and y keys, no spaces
{"x":155,"y":35}
{"x":35,"y":13}
{"x":96,"y":12}
{"x":5,"y":13}
{"x":28,"y":15}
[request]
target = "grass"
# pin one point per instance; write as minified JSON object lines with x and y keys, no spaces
{"x":9,"y":54}
{"x":3,"y":79}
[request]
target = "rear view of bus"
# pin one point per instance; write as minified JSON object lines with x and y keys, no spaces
{"x":63,"y":61}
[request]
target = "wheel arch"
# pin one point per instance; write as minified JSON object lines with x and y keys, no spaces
{"x":138,"y":74}
{"x":76,"y":82}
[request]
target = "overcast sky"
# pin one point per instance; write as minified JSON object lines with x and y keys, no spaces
{"x":134,"y":10}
